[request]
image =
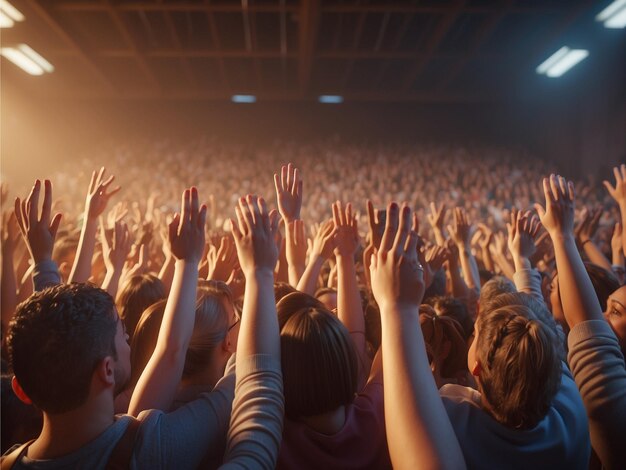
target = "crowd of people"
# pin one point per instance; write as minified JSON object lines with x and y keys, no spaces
{"x":361,"y":307}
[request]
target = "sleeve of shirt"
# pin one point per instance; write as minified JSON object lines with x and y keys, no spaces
{"x":256,"y":423}
{"x":45,"y":274}
{"x":529,"y":282}
{"x":182,"y":438}
{"x":597,"y":363}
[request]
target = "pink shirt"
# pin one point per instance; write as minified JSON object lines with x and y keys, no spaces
{"x":360,"y":444}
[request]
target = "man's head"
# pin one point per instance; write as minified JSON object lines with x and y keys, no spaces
{"x":62,"y":336}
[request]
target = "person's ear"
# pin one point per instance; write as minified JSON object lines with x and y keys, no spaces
{"x":477,"y":369}
{"x":226,"y":344}
{"x":19,"y":392}
{"x":105,"y":371}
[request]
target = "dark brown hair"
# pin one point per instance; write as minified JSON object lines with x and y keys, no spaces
{"x":136,"y":295}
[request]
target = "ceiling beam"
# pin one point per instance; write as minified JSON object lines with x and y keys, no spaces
{"x":75,"y":45}
{"x":184,"y":61}
{"x":215,"y":36}
{"x":130,"y":43}
{"x":400,"y":32}
{"x":308,"y":29}
{"x":486,"y":29}
{"x":358,"y":32}
{"x":172,"y":6}
{"x":444,"y":25}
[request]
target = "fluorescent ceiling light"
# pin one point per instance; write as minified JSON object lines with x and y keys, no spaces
{"x":18,"y":58}
{"x":561,"y":61}
{"x":330,"y":99}
{"x":5,"y":20}
{"x":243,"y":99}
{"x":11,"y":11}
{"x":614,"y":16}
{"x":32,"y":55}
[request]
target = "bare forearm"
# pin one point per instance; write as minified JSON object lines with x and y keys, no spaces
{"x":419,"y":432}
{"x":577,"y":293}
{"x":308,"y":281}
{"x":595,"y":255}
{"x":349,"y":307}
{"x":259,"y":322}
{"x":488,"y":260}
{"x":295,"y":264}
{"x":469,"y":267}
{"x":166,"y":275}
{"x":111,"y":282}
{"x":81,"y":269}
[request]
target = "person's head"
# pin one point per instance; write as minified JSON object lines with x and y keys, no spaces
{"x":615,"y":314}
{"x":64,"y":341}
{"x":444,"y":337}
{"x":145,"y":338}
{"x":318,"y":358}
{"x":493,"y":287}
{"x":517,"y":366}
{"x":136,"y":295}
{"x":216,"y":328}
{"x":328,"y":296}
{"x":604,"y":283}
{"x":540,"y":310}
{"x":64,"y":251}
{"x":281,"y":289}
{"x":448,"y":306}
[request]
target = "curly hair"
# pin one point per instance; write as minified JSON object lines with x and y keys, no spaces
{"x":57,"y":338}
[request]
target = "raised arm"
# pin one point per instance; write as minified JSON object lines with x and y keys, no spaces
{"x":116,"y":244}
{"x":579,"y":299}
{"x":460,"y":232}
{"x":98,"y":196}
{"x":8,"y":283}
{"x":349,"y":306}
{"x":436,"y":219}
{"x":39,"y":234}
{"x":618,"y":192}
{"x":160,"y":379}
{"x":289,"y":198}
{"x":256,"y":423}
{"x":522,"y":231}
{"x":584,"y":236}
{"x":322,"y":248}
{"x":419,"y":432}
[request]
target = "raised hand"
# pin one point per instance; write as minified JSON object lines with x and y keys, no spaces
{"x":618,"y":192}
{"x":98,"y":194}
{"x":616,"y":243}
{"x":254,"y":234}
{"x":522,"y":231}
{"x":10,"y":233}
{"x":346,"y":230}
{"x":116,"y":245}
{"x":186,"y":231}
{"x":588,"y":226}
{"x":436,"y":216}
{"x":38,"y":232}
{"x":288,"y":192}
{"x":558,"y":215}
{"x":396,"y":275}
{"x":376,"y":219}
{"x":223,"y":260}
{"x":324,"y":242}
{"x":460,"y":230}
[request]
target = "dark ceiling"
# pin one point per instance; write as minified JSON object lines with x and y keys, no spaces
{"x":365,"y":50}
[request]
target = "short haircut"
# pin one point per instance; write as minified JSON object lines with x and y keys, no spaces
{"x":493,"y":287}
{"x":319,"y":362}
{"x":57,"y":338}
{"x":136,"y":295}
{"x":520,"y":366}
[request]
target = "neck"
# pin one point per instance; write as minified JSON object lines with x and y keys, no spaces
{"x":327,"y":423}
{"x":65,"y":433}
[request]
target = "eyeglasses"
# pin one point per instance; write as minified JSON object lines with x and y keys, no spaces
{"x":234,"y":324}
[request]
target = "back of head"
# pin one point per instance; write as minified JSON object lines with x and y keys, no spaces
{"x":448,"y":306}
{"x":57,"y":338}
{"x":444,"y":337}
{"x":520,"y":369}
{"x":281,"y":289}
{"x":210,"y":326}
{"x":493,"y":287}
{"x":136,"y":295}
{"x":145,"y":339}
{"x":318,"y":358}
